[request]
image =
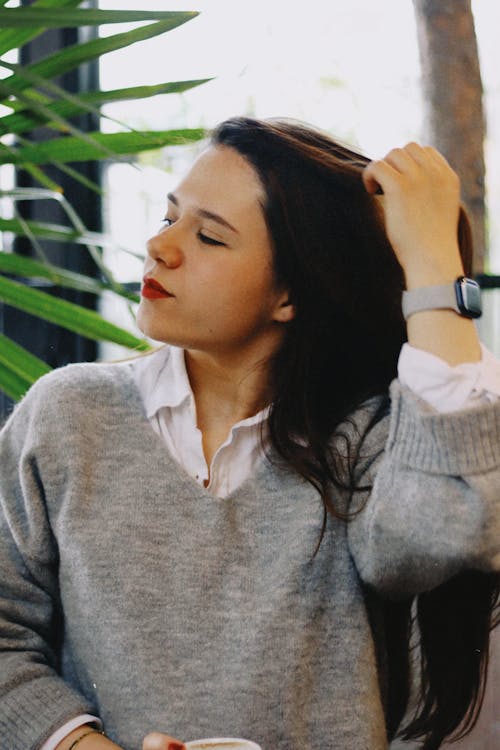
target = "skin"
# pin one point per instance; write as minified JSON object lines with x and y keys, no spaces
{"x":227,"y":314}
{"x":95,"y":741}
{"x":228,"y":338}
{"x":226,"y":304}
{"x":421,"y":204}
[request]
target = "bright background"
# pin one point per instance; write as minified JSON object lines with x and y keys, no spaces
{"x":351,"y":68}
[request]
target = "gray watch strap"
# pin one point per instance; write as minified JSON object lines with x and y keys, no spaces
{"x":429,"y":298}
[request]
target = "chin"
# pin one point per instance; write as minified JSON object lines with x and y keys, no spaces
{"x":155,"y":330}
{"x":149,"y":326}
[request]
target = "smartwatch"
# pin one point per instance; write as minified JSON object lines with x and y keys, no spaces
{"x":463,"y":296}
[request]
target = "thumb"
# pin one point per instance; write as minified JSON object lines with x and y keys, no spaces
{"x":370,"y":183}
{"x":159,"y":741}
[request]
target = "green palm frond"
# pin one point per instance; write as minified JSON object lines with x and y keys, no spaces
{"x":11,"y":37}
{"x":66,"y":314}
{"x":32,"y":98}
{"x":77,"y":54}
{"x":44,"y":18}
{"x":18,"y":368}
{"x":71,"y":149}
{"x":30,"y":117}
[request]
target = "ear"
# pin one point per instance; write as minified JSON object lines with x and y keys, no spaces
{"x":284,"y":311}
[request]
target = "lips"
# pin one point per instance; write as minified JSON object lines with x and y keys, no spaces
{"x":151,"y":289}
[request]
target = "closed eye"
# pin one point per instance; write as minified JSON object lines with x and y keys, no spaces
{"x":209,"y":240}
{"x":167,"y":222}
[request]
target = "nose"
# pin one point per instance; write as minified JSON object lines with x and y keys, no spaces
{"x":163,"y":248}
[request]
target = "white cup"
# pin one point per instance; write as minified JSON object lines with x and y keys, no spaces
{"x":222,"y":743}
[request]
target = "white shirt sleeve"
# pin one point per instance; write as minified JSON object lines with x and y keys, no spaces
{"x":449,"y":388}
{"x":63,"y":732}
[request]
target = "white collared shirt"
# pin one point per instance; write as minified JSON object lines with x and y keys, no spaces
{"x":170,"y":406}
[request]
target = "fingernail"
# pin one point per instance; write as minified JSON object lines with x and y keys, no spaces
{"x":175,"y":746}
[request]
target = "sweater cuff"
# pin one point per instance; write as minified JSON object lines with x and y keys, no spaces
{"x":33,"y":713}
{"x":458,"y":443}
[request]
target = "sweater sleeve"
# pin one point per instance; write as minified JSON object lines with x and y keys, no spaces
{"x":34,"y":699}
{"x":434,"y":504}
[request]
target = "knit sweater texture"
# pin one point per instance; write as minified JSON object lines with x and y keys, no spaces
{"x":129,"y":592}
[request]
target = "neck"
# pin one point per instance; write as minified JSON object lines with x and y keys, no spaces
{"x":227,"y":388}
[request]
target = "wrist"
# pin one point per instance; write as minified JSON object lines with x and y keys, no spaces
{"x":430,"y":270}
{"x":86,"y":737}
{"x":446,"y":335}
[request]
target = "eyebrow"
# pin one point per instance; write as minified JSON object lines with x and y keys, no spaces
{"x":205,"y":214}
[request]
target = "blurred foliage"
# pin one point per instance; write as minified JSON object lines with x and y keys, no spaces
{"x":31,"y":98}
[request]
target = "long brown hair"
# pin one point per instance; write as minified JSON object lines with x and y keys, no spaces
{"x":332,"y":253}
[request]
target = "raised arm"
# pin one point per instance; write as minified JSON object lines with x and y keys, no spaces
{"x":434,"y":508}
{"x":421,"y":199}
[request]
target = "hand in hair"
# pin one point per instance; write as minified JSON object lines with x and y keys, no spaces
{"x":421,"y":200}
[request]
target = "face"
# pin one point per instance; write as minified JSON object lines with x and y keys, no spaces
{"x":208,"y":274}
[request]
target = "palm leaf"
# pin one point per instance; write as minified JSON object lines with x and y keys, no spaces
{"x":19,"y":360}
{"x":70,"y":57}
{"x":22,"y":266}
{"x":41,"y":178}
{"x":37,"y":104}
{"x":10,"y":38}
{"x":34,"y":99}
{"x":29,"y":17}
{"x":92,"y":240}
{"x":73,"y":150}
{"x":64,"y":124}
{"x":14,"y":385}
{"x":66,"y":314}
{"x":79,"y":177}
{"x":19,"y":369}
{"x":28,"y":118}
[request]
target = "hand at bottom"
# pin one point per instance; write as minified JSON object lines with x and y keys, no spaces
{"x":158,"y":741}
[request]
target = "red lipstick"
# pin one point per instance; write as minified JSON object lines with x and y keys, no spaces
{"x":151,"y":289}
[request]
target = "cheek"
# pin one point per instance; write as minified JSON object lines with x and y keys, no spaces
{"x":228,"y":313}
{"x":241,"y":306}
{"x":241,"y":297}
{"x":251,"y":279}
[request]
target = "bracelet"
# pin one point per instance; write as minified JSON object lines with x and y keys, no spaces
{"x":80,"y":738}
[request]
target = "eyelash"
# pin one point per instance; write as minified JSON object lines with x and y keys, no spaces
{"x":202,"y":237}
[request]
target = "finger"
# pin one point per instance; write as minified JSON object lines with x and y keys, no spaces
{"x":378,"y":177}
{"x":438,"y":157}
{"x":418,"y":153}
{"x":401,"y":159}
{"x":434,"y":153}
{"x":426,"y":155}
{"x":441,"y":167}
{"x":159,"y":741}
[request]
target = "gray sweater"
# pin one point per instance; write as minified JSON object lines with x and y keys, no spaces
{"x":129,"y":592}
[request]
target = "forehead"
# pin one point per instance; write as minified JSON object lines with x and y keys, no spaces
{"x":223,"y":181}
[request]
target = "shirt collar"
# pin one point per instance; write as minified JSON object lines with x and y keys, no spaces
{"x":162,"y":379}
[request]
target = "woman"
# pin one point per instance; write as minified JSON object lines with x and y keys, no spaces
{"x":226,"y":537}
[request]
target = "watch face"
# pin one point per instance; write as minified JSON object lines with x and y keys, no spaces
{"x":468,"y":297}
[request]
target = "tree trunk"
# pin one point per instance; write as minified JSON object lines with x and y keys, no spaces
{"x":454,"y":121}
